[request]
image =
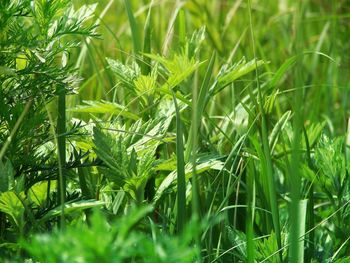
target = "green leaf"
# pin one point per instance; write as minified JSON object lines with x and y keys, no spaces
{"x":136,"y":39}
{"x":266,"y":248}
{"x":314,"y":132}
{"x":145,"y":85}
{"x":71,"y":208}
{"x":343,"y":260}
{"x":7,"y":71}
{"x":330,"y":160}
{"x":278,"y":129}
{"x":125,"y":74}
{"x":73,"y":22}
{"x":179,"y":68}
{"x":238,"y":239}
{"x":104,"y":107}
{"x":10,"y":204}
{"x":282,"y":70}
{"x":238,"y":70}
{"x":133,"y":217}
{"x":113,"y":153}
{"x":195,"y":42}
{"x":6,"y":176}
{"x":200,"y":168}
{"x":180,"y":172}
{"x":38,"y":192}
{"x":302,"y":219}
{"x":130,"y":154}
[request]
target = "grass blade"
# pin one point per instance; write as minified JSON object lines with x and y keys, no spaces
{"x":147,"y":41}
{"x":250,"y":213}
{"x":200,"y":105}
{"x":61,"y":148}
{"x":136,"y":39}
{"x":294,"y":170}
{"x":181,"y":182}
{"x":266,"y":150}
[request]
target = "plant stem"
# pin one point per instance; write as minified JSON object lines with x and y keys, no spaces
{"x":266,"y":148}
{"x":61,"y":145}
{"x":181,"y":181}
{"x":15,"y":128}
{"x":295,"y":215}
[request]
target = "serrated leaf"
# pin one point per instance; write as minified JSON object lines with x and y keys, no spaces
{"x":125,"y":74}
{"x":145,"y":85}
{"x":104,"y":107}
{"x":330,"y":160}
{"x":113,"y":154}
{"x":180,"y":67}
{"x":73,"y":22}
{"x":238,"y":70}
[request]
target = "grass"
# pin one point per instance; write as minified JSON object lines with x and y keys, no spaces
{"x":297,"y":224}
{"x":180,"y":170}
{"x":174,"y":131}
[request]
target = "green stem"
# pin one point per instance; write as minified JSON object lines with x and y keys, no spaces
{"x":250,"y":212}
{"x":266,"y":148}
{"x":195,"y":187}
{"x":61,"y":144}
{"x":181,"y":181}
{"x":15,"y":128}
{"x":296,"y":246}
{"x":311,"y":217}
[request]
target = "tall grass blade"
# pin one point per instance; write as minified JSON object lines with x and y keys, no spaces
{"x":266,"y":150}
{"x":301,"y":234}
{"x":61,"y":148}
{"x":182,"y":28}
{"x":147,"y":42}
{"x":200,"y":106}
{"x":294,"y":172}
{"x":250,"y":212}
{"x":180,"y":168}
{"x":136,"y":39}
{"x":310,"y":207}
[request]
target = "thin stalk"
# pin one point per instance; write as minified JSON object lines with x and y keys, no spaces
{"x":15,"y":128}
{"x":181,"y":29}
{"x":311,"y":216}
{"x":195,"y":193}
{"x":266,"y":147}
{"x":201,"y":103}
{"x":296,"y":246}
{"x":61,"y":146}
{"x":250,"y":212}
{"x":332,"y":70}
{"x":147,"y":42}
{"x":181,"y":181}
{"x":136,"y":40}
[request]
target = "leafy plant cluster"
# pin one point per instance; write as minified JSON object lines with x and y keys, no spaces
{"x":35,"y":43}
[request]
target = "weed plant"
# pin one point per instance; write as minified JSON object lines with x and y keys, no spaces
{"x":174,"y":131}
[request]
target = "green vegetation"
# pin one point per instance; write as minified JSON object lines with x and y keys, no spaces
{"x":174,"y":131}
